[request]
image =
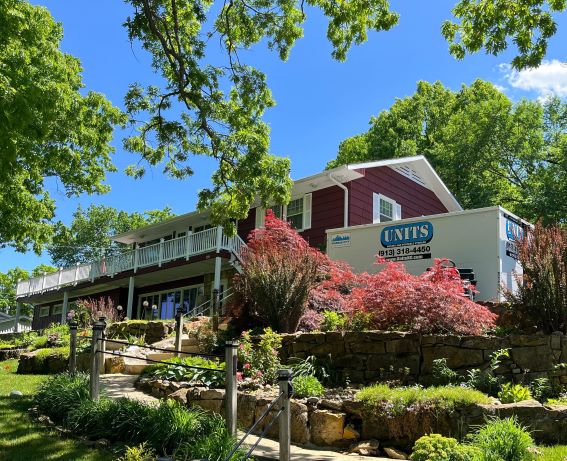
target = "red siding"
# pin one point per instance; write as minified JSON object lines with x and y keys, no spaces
{"x":327,"y":212}
{"x":415,"y":199}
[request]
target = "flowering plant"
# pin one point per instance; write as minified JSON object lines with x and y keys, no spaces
{"x":259,"y":356}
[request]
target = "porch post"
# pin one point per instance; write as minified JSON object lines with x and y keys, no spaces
{"x":65,"y":307}
{"x":217,"y":280}
{"x":130,"y":304}
{"x":17,"y":317}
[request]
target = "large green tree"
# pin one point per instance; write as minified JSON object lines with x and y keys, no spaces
{"x":48,"y":127}
{"x":215,"y":109}
{"x":8,"y":283}
{"x":487,"y":149}
{"x":88,"y":237}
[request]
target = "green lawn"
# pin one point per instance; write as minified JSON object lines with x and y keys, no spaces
{"x":23,"y":440}
{"x":557,"y":453}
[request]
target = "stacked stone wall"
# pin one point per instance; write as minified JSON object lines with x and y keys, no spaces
{"x":370,"y":356}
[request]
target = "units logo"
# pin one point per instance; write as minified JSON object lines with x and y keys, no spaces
{"x":340,"y":240}
{"x":407,"y":234}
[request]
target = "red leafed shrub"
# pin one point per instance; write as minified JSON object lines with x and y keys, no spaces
{"x":542,"y":289}
{"x":429,"y":303}
{"x":279,"y":271}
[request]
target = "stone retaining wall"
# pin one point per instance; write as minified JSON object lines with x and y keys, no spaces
{"x":152,"y":331}
{"x":342,"y":422}
{"x":369,"y":356}
{"x":6,"y":354}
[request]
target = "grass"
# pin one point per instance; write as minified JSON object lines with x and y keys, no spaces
{"x":397,"y":400}
{"x":23,"y":440}
{"x":556,"y":453}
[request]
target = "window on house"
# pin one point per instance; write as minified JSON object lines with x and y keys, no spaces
{"x":278,"y":211}
{"x":202,"y":228}
{"x":295,"y":213}
{"x":44,"y":311}
{"x":57,"y":309}
{"x":385,"y":209}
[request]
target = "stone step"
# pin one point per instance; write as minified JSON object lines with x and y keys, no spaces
{"x":189,"y":341}
{"x":160,"y":355}
{"x":190,"y":349}
{"x":134,"y":366}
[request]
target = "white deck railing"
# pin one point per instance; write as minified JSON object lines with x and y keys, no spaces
{"x":157,"y":254}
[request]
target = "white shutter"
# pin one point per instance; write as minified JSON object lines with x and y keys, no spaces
{"x":375,"y":208}
{"x":397,"y":211}
{"x":260,"y":217}
{"x":307,"y":211}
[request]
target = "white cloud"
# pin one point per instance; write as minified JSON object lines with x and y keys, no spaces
{"x":550,"y":78}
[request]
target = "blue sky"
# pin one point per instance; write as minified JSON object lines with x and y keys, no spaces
{"x":319,"y":101}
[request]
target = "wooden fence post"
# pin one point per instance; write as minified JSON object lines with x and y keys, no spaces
{"x":178,"y":330}
{"x":98,"y":329}
{"x":73,"y":347}
{"x":284,"y":380}
{"x":231,"y":365}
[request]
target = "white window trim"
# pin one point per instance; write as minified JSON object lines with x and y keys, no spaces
{"x":57,"y":306}
{"x":306,"y":213}
{"x":42,"y":308}
{"x":396,"y":208}
{"x":154,"y":293}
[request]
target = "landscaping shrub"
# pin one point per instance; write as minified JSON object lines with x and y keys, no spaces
{"x":307,"y":386}
{"x":429,"y":303}
{"x":435,"y":447}
{"x":279,"y":271}
{"x":321,"y":368}
{"x":503,"y":440}
{"x":260,"y":360}
{"x":542,"y":289}
{"x":164,"y":428}
{"x":483,"y":380}
{"x":139,"y":453}
{"x":398,"y":400}
{"x":338,"y":321}
{"x":174,"y":370}
{"x":512,"y":393}
{"x":89,"y":310}
{"x":44,"y":354}
{"x":59,"y":394}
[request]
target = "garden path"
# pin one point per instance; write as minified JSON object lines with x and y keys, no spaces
{"x":119,"y":385}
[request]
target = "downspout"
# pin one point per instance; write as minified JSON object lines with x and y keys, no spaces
{"x":345,"y":189}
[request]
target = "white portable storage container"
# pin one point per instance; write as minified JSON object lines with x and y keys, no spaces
{"x":482,"y":240}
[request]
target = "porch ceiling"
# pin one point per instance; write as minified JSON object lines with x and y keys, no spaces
{"x":170,"y":274}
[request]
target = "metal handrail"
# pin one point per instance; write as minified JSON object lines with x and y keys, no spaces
{"x":200,"y":309}
{"x":241,"y":441}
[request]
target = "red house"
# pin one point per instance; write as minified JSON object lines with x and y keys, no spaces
{"x":179,"y":262}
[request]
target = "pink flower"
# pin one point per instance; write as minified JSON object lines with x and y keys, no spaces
{"x":241,"y":346}
{"x":247,"y":366}
{"x":239,"y":376}
{"x":259,"y":374}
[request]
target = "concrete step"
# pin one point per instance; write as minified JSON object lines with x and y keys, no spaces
{"x":134,"y":366}
{"x":189,"y":341}
{"x":191,"y":349}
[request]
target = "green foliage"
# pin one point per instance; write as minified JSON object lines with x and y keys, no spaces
{"x":492,"y":25}
{"x":542,"y":390}
{"x":208,"y":340}
{"x":512,"y":393}
{"x":503,"y":440}
{"x":435,"y":447}
{"x":226,"y":125}
{"x":321,"y":368}
{"x":59,"y":394}
{"x":139,"y":453}
{"x":307,"y":386}
{"x":176,"y":370}
{"x":259,"y":356}
{"x":483,"y":380}
{"x":486,"y":148}
{"x":53,"y":352}
{"x":9,"y":281}
{"x":163,"y":427}
{"x":398,"y":400}
{"x":88,"y":237}
{"x":49,"y":127}
{"x":333,"y":321}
